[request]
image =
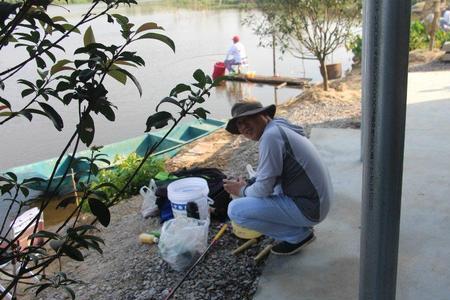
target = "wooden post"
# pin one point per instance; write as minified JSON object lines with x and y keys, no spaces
{"x":275,"y":95}
{"x":74,"y":186}
{"x":274,"y":56}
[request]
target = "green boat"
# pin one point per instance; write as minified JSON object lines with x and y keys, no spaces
{"x":182,"y":134}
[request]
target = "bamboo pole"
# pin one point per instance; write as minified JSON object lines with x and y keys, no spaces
{"x":74,"y":186}
{"x":244,"y":246}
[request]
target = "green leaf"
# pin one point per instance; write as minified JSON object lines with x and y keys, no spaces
{"x":131,"y":76}
{"x":199,"y":75}
{"x":108,"y":112}
{"x":12,"y":175}
{"x":60,"y":66}
{"x":218,"y":81}
{"x":86,"y":129}
{"x":52,"y":115}
{"x":34,"y":179}
{"x":70,"y":292}
{"x":88,"y":36}
{"x":158,"y":120}
{"x":169,"y":100}
{"x":56,"y":244}
{"x":180,"y":88}
{"x":45,"y":234}
{"x":148,"y":26}
{"x":157,"y":36}
{"x":119,"y":76}
{"x":99,"y":209}
{"x":94,"y":238}
{"x":70,"y":27}
{"x":26,"y":92}
{"x":106,"y":184}
{"x":72,"y":252}
{"x":200,"y":112}
{"x":85,"y":227}
{"x":66,"y":201}
{"x":40,"y":62}
{"x":121,"y":62}
{"x":5,"y":102}
{"x":42,"y":287}
{"x":27,"y":83}
{"x":59,"y":19}
{"x":25,"y":191}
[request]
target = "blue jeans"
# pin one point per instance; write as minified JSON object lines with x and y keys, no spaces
{"x":276,"y":216}
{"x":230,"y":63}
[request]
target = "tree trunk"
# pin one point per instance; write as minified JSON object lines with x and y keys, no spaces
{"x":435,"y":23}
{"x":324,"y":74}
{"x":274,"y":56}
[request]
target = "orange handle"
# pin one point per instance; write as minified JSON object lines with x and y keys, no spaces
{"x":221,"y":232}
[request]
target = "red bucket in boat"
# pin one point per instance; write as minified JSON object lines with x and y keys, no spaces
{"x":219,"y":70}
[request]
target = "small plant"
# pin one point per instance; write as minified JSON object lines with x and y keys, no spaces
{"x":442,"y":37}
{"x":355,"y":45}
{"x":418,"y":37}
{"x":124,"y":167}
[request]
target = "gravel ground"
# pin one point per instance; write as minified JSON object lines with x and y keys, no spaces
{"x":130,"y":270}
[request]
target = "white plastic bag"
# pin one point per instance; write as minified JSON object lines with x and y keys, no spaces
{"x":149,"y":208}
{"x":182,"y":241}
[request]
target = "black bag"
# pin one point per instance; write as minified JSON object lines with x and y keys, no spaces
{"x":214,"y":177}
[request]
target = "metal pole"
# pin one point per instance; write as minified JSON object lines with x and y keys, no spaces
{"x":384,"y":92}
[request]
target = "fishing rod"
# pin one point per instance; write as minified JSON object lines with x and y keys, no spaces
{"x":214,"y":240}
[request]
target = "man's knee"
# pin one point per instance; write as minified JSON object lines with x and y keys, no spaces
{"x":233,"y":210}
{"x":236,"y":210}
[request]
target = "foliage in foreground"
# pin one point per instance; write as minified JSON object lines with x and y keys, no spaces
{"x":76,"y":80}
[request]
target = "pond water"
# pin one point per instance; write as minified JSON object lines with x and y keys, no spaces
{"x":202,"y":38}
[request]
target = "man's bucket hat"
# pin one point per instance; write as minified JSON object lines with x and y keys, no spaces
{"x":242,"y":109}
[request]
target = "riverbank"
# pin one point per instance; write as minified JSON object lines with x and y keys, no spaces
{"x":129,"y":270}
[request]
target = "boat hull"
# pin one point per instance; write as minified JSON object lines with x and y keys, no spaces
{"x":180,"y":135}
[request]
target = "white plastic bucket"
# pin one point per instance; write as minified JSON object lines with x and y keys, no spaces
{"x":192,"y":189}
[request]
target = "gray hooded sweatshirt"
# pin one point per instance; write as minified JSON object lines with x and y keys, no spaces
{"x":290,"y":164}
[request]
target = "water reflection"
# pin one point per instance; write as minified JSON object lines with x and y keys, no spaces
{"x":202,"y":38}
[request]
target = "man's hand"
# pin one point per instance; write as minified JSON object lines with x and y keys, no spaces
{"x":234,"y":186}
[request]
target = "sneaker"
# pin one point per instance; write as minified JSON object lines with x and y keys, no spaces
{"x":285,"y":248}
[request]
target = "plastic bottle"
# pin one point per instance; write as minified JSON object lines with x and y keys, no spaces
{"x":146,"y":238}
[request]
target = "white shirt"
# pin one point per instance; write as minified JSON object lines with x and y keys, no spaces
{"x":446,"y":17}
{"x":237,"y":53}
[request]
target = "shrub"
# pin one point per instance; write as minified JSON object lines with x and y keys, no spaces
{"x":355,"y":45}
{"x":418,"y":37}
{"x":442,"y":37}
{"x":124,"y":168}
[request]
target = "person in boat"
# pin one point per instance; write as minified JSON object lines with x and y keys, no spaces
{"x":292,"y":190}
{"x":236,"y":55}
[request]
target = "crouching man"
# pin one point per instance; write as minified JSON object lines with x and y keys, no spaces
{"x":292,"y":189}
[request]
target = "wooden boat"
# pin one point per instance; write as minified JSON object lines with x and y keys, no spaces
{"x":274,"y":80}
{"x":181,"y":135}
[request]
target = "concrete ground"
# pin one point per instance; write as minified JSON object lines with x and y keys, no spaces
{"x":329,"y":267}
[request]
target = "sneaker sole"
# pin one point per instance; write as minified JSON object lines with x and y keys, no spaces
{"x":296,"y":250}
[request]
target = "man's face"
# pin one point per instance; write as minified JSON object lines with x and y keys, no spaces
{"x":252,"y":127}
